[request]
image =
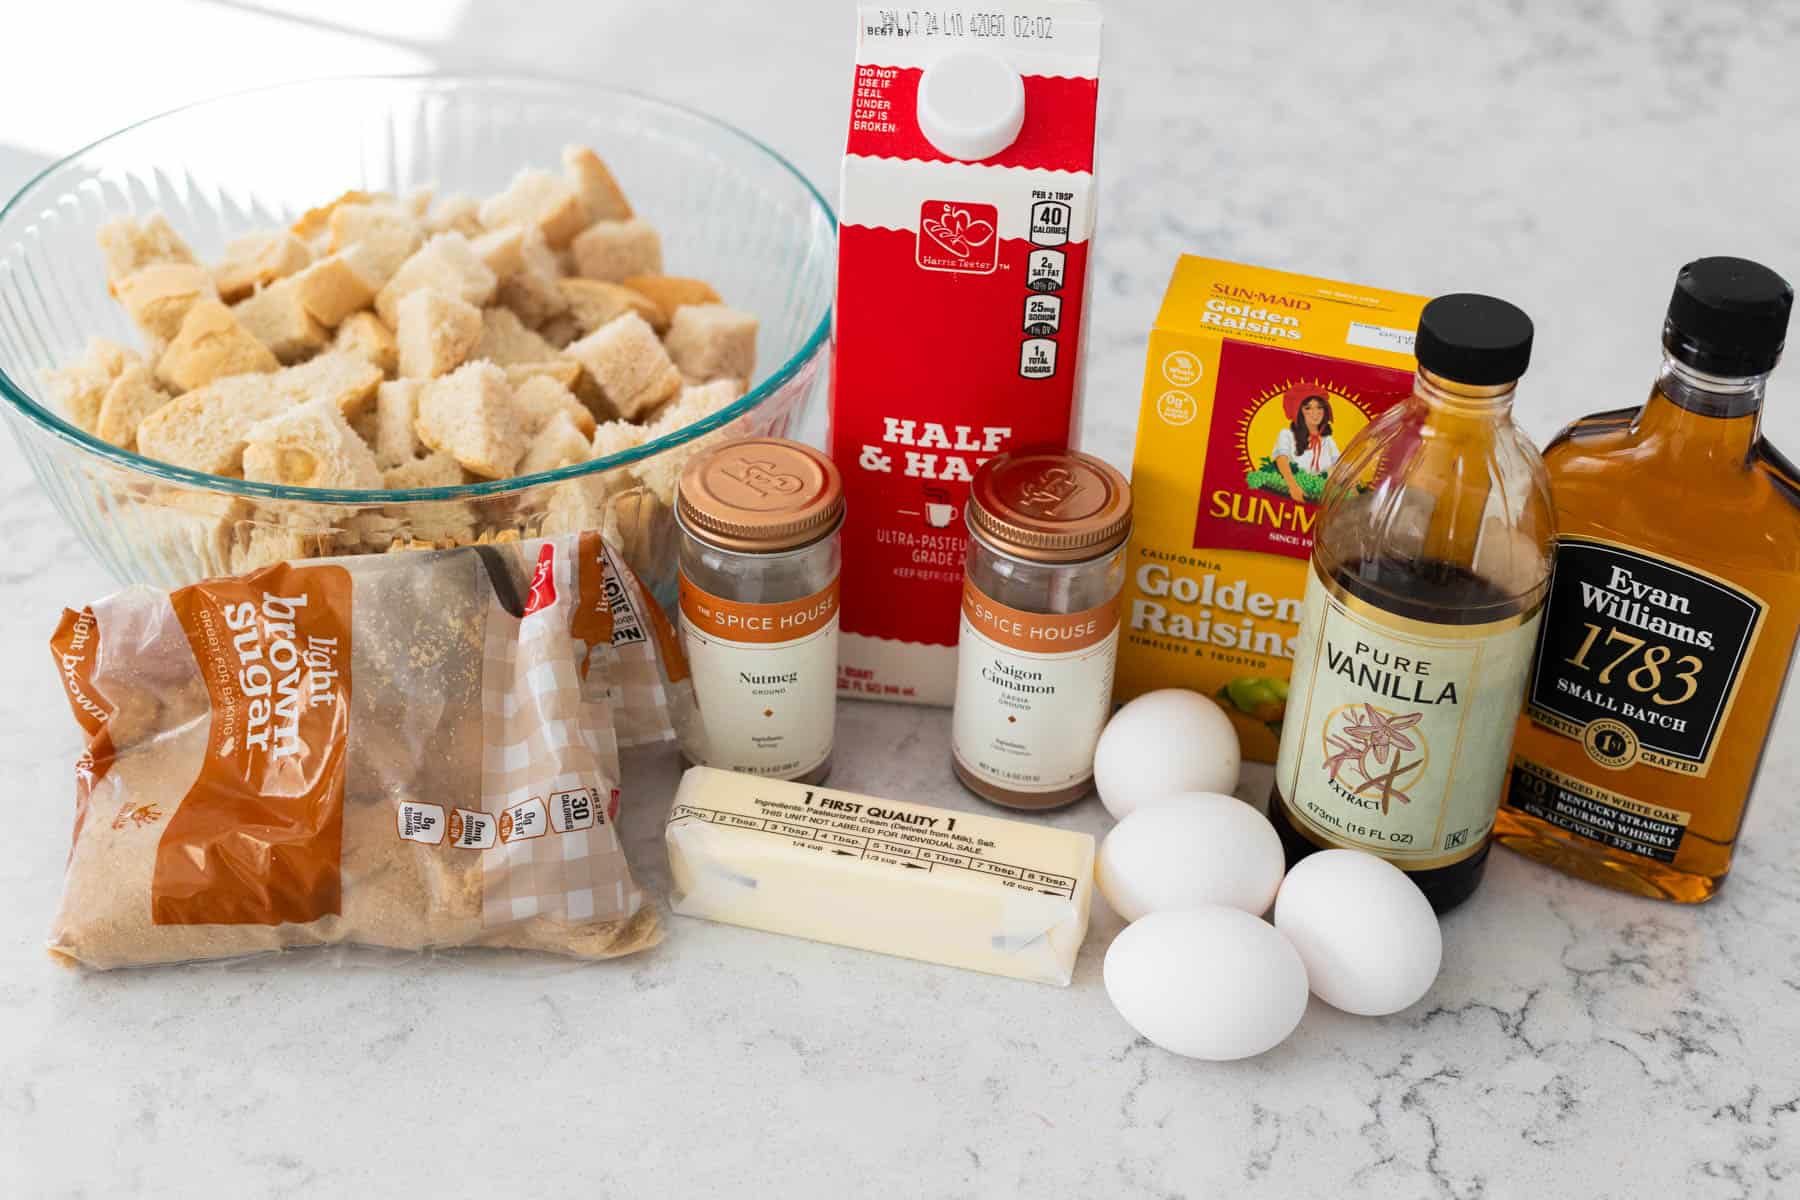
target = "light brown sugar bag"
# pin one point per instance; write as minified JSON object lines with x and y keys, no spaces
{"x":409,"y":751}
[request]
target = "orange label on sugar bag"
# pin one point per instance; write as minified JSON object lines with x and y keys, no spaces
{"x":257,"y":838}
{"x":592,"y":621}
{"x":76,"y":645}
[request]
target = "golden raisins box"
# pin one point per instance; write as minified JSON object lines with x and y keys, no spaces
{"x":1254,"y":383}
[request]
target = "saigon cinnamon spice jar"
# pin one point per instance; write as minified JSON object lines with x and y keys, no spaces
{"x":1040,"y":625}
{"x":759,"y":521}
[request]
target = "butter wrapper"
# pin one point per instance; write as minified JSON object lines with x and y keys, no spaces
{"x":962,"y":889}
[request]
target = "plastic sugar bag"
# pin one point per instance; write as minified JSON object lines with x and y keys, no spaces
{"x":407,"y":751}
{"x":651,"y":692}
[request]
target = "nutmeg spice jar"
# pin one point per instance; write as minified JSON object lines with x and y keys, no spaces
{"x":759,"y":522}
{"x":1040,"y":626}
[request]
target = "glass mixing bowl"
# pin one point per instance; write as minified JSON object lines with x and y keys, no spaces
{"x":729,"y":209}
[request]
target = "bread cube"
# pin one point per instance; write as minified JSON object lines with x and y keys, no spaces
{"x":713,"y":341}
{"x":582,"y":503}
{"x":79,"y":389}
{"x":274,"y":538}
{"x":533,"y":297}
{"x":381,"y":237}
{"x":505,"y":340}
{"x":365,"y":336}
{"x":532,"y":292}
{"x":277,"y":317}
{"x":335,"y":286}
{"x":535,"y":255}
{"x":565,"y":371}
{"x":363,"y":423}
{"x":661,"y":473}
{"x":395,"y":415}
{"x":616,"y":437}
{"x":541,"y":397}
{"x":455,"y":213}
{"x":444,"y":264}
{"x":211,"y":344}
{"x":257,"y":260}
{"x":695,"y":403}
{"x":503,"y":249}
{"x":436,"y":334}
{"x":541,"y":200}
{"x":429,"y":471}
{"x":443,"y":524}
{"x":625,"y":359}
{"x":600,"y":193}
{"x":668,"y":293}
{"x":192,"y":527}
{"x":129,"y":245}
{"x":594,"y":302}
{"x":371,"y":531}
{"x":642,"y":526}
{"x":560,"y":330}
{"x":346,"y":381}
{"x":315,"y":223}
{"x":558,"y":444}
{"x":577,"y":505}
{"x":133,"y":396}
{"x":158,"y":296}
{"x":615,"y":250}
{"x":309,"y":445}
{"x":110,"y":356}
{"x":527,"y":269}
{"x":204,"y":429}
{"x":470,"y":415}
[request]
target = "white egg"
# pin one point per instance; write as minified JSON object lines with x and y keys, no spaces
{"x":1367,"y":934}
{"x":1187,"y":850}
{"x":1211,"y":982}
{"x":1165,"y":742}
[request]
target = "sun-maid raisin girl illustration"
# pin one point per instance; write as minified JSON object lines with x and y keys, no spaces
{"x":1306,"y":443}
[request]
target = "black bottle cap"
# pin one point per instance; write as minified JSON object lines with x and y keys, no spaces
{"x":1728,"y":316}
{"x":1473,"y":339}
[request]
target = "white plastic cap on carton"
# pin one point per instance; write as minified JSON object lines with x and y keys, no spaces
{"x":971,"y":104}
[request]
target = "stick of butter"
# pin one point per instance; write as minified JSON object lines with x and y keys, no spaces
{"x":957,"y":888}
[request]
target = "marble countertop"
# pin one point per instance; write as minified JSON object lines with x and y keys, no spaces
{"x":1578,"y":1043}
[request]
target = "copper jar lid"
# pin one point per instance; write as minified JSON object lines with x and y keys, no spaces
{"x":757,"y":495}
{"x":1050,"y":506}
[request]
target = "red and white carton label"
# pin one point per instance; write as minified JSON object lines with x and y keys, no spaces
{"x":960,"y":304}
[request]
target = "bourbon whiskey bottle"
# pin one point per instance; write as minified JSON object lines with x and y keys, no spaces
{"x":1429,"y":564}
{"x":1672,"y":610}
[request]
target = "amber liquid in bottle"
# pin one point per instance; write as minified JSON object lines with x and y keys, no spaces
{"x":1429,"y":590}
{"x":1648,"y":711}
{"x":1428,"y":572}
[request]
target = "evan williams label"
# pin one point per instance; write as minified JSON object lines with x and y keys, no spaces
{"x":1640,"y":656}
{"x":765,"y":680}
{"x":1032,"y":691}
{"x":1390,"y":741}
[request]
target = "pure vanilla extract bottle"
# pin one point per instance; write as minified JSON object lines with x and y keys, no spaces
{"x":1672,"y":611}
{"x":1429,"y":568}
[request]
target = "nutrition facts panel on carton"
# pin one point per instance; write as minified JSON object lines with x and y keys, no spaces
{"x":894,"y":839}
{"x":1046,"y":270}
